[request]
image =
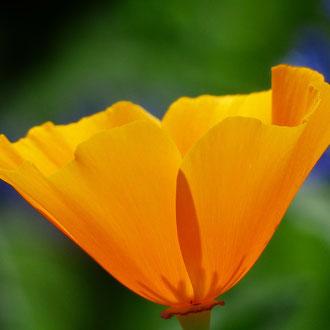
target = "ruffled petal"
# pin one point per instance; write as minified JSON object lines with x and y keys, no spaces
{"x":188,"y":119}
{"x":50,"y":147}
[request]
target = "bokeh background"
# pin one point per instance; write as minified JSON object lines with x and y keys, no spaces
{"x":66,"y":60}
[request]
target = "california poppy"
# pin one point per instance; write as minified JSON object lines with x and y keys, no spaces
{"x":177,"y":210}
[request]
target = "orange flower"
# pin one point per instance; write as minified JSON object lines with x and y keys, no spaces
{"x":178,"y":210}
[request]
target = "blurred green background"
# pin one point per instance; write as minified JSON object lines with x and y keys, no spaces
{"x":62,"y":61}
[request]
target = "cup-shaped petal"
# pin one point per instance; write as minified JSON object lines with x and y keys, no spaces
{"x":116,"y":199}
{"x":242,"y":176}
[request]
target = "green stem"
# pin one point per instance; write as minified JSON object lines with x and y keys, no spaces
{"x":196,"y":321}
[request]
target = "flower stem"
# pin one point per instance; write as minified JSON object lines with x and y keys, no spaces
{"x":196,"y":321}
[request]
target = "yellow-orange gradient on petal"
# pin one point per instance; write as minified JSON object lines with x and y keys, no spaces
{"x":50,"y":147}
{"x":177,"y":210}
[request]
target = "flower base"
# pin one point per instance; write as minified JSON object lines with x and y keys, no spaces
{"x":190,"y":309}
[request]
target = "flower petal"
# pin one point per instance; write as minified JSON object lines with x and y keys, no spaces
{"x":9,"y":158}
{"x":35,"y":189}
{"x":242,"y":176}
{"x":50,"y":147}
{"x":117,"y":201}
{"x":188,"y":119}
{"x":294,"y":94}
